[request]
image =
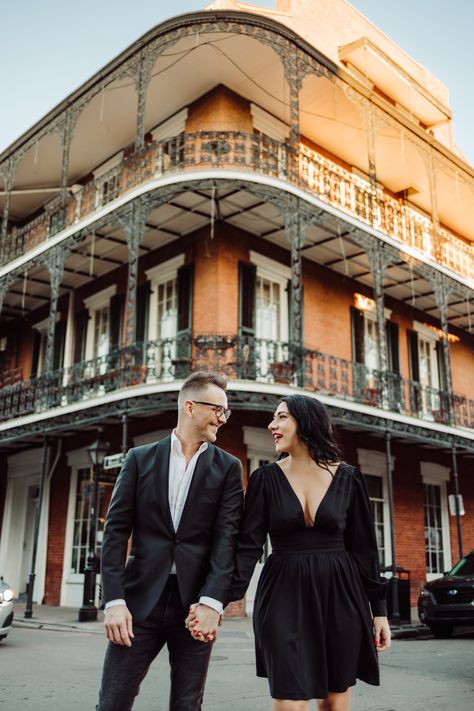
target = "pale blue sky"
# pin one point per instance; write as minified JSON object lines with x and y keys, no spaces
{"x":49,"y":47}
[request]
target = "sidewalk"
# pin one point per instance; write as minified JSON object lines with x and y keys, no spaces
{"x":64,"y":619}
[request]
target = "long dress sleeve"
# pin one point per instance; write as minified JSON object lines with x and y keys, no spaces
{"x":252,"y":536}
{"x":361,"y":542}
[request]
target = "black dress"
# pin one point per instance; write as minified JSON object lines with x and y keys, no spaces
{"x":312,"y":620}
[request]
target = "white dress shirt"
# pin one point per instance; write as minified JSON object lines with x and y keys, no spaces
{"x":179,"y":481}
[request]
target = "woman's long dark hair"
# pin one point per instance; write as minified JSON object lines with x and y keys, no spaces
{"x":314,"y":428}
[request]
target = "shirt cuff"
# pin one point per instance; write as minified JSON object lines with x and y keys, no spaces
{"x":210,"y":602}
{"x":111,"y":603}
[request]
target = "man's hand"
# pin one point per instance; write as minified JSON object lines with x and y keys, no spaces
{"x":202,"y":622}
{"x":382,"y":635}
{"x":118,"y":625}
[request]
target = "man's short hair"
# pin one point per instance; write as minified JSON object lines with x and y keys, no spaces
{"x":199,"y":380}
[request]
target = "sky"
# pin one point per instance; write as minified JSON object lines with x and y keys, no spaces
{"x":50,"y":47}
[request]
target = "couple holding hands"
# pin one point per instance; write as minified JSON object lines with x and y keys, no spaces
{"x":319,"y":614}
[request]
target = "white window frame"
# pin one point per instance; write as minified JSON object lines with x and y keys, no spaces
{"x":374,"y":463}
{"x":280,"y":274}
{"x":268,"y":124}
{"x":95,"y":303}
{"x":428,"y":335}
{"x":157,"y":275}
{"x":42,"y":328}
{"x":438,"y":475}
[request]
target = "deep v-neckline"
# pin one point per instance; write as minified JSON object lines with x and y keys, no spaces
{"x":300,"y":506}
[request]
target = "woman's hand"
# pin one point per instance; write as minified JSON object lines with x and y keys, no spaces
{"x":382,"y":634}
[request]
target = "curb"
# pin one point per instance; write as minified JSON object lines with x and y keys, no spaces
{"x":405,"y":632}
{"x":55,"y":626}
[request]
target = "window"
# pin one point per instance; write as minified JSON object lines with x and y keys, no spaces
{"x":40,"y":343}
{"x":436,"y":519}
{"x":426,"y":372}
{"x":84,"y":494}
{"x":167,"y":308}
{"x":101,"y":332}
{"x":373,"y":464}
{"x":268,"y":312}
{"x":365,"y":353}
{"x":273,"y":135}
{"x":433,"y":529}
{"x":169,"y":139}
{"x":377,"y":504}
{"x":99,"y":325}
{"x":271,"y":315}
{"x":108,"y":180}
{"x":169,"y":318}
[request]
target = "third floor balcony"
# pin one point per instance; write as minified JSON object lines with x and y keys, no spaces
{"x":255,"y":153}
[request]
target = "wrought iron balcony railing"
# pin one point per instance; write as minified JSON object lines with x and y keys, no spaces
{"x":259,"y":154}
{"x":240,"y":358}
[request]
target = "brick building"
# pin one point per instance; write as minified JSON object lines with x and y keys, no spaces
{"x":275,"y":194}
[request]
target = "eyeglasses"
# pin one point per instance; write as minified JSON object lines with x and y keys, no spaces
{"x":220,"y":410}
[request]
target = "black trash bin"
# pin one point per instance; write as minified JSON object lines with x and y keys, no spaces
{"x":404,"y":606}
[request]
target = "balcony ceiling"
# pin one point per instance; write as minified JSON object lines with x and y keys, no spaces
{"x":191,"y":68}
{"x":190,"y":211}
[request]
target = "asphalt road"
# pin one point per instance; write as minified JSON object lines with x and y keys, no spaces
{"x":47,"y":670}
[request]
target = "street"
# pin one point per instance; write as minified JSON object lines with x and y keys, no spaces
{"x":44,"y":669}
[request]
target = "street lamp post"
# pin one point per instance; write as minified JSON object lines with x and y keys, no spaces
{"x":88,"y":611}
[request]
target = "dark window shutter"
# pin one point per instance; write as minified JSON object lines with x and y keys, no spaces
{"x":413,"y":354}
{"x":185,"y":298}
{"x":247,"y":288}
{"x":36,"y":352}
{"x":116,"y":320}
{"x":80,"y":335}
{"x":357,"y":323}
{"x":185,"y":306}
{"x":441,"y":365}
{"x":290,"y":310}
{"x":59,"y":342}
{"x":143,"y":300}
{"x":393,"y":347}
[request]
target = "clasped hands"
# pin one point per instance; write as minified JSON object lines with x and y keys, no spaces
{"x":203,"y":622}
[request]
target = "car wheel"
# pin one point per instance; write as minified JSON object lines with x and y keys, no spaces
{"x":2,"y":637}
{"x":442,"y":630}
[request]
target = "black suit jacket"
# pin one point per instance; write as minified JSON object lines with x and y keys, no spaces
{"x":202,"y":547}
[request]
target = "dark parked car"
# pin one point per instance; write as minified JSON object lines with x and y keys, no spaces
{"x":449,"y":601}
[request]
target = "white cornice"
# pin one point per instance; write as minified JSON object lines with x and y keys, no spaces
{"x":165,"y":271}
{"x":101,"y":298}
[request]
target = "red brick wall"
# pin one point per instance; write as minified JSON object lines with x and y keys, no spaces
{"x":58,"y":505}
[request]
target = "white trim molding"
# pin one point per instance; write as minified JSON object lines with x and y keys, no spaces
{"x":438,"y":475}
{"x":172,"y":126}
{"x":100,"y":299}
{"x":434,"y":473}
{"x":374,"y":463}
{"x":270,"y":268}
{"x":165,"y":270}
{"x":108,"y":165}
{"x":269,"y":125}
{"x":259,"y":440}
{"x":150,"y":437}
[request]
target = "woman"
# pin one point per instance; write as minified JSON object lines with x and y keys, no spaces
{"x":314,"y":630}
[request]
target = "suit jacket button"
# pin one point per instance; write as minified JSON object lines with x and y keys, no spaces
{"x":176,"y":541}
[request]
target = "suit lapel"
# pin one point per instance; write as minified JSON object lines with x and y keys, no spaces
{"x":200,"y":473}
{"x":162,"y":471}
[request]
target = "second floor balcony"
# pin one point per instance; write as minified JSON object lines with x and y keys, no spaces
{"x":259,"y":154}
{"x":241,"y":358}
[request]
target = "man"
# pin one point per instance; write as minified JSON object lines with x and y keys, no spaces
{"x":181,"y":500}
